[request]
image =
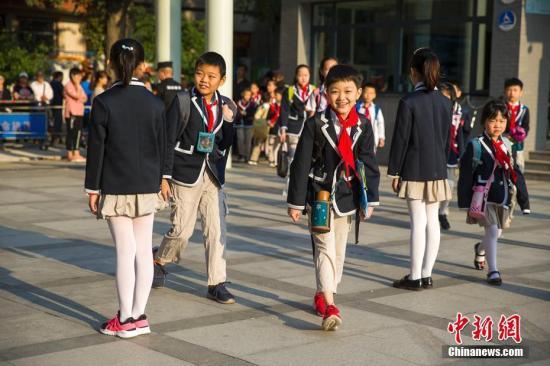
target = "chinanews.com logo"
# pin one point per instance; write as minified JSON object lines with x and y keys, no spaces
{"x":482,"y":330}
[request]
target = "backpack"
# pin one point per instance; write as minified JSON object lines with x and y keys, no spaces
{"x":476,"y":144}
{"x":184,"y":99}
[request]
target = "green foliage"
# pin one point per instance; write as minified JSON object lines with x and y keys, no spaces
{"x":193,"y":44}
{"x":144,"y":29}
{"x":93,"y":25}
{"x":19,"y":56}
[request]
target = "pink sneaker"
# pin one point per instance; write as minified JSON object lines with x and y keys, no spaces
{"x":114,"y":327}
{"x":142,"y":325}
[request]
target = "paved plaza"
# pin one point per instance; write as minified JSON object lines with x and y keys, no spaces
{"x":57,"y":283}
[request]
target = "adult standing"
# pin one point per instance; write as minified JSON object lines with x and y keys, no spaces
{"x":418,"y":164}
{"x":168,"y":87}
{"x":75,"y":97}
{"x":4,"y":91}
{"x":22,"y":91}
{"x":57,"y":105}
{"x":41,"y":89}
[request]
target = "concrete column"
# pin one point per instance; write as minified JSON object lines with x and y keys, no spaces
{"x":219,"y":36}
{"x":168,"y":17}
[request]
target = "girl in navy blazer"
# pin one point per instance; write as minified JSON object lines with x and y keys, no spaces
{"x":126,"y":149}
{"x":418,"y":164}
{"x":488,"y":160}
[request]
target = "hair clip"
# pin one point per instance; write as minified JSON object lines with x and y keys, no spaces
{"x":127,"y":48}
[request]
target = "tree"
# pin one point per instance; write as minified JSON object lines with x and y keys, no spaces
{"x":20,"y":58}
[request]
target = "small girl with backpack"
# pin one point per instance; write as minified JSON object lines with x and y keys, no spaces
{"x":490,"y":181}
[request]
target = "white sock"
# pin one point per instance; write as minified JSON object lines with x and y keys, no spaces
{"x":433,"y":239}
{"x":143,"y":231}
{"x":444,"y":207}
{"x":133,"y":242}
{"x":490,"y":238}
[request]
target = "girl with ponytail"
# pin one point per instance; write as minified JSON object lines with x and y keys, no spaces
{"x":418,"y":164}
{"x":125,"y":165}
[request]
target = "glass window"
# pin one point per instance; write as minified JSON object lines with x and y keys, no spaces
{"x":367,"y":12}
{"x":483,"y":59}
{"x":378,"y":37}
{"x":436,"y":9}
{"x":375,"y":54}
{"x":322,"y":14}
{"x":452,"y":44}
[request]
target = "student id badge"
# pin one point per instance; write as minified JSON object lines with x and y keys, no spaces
{"x":206,"y":142}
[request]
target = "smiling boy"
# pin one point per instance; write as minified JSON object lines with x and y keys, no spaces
{"x":332,"y":145}
{"x":196,"y":144}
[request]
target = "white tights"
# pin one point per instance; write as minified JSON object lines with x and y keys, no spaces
{"x":425,"y":237}
{"x":133,"y":239}
{"x":489,"y":243}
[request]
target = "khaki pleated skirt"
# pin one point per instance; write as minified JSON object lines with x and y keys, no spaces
{"x":496,"y":214}
{"x":429,"y":191}
{"x":130,"y":205}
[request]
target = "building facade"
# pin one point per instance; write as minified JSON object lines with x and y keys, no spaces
{"x":479,"y":44}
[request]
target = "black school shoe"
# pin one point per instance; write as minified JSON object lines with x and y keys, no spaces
{"x":159,"y":276}
{"x":406,"y":284}
{"x":444,"y":223}
{"x":427,"y":283}
{"x":220,"y":294}
{"x":497,"y":281}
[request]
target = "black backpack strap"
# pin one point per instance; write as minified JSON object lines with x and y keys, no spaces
{"x":319,"y":140}
{"x":184,"y":99}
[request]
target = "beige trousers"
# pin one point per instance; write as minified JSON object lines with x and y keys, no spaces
{"x":330,"y":252}
{"x":201,"y":199}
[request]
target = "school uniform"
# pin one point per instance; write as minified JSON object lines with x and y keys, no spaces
{"x":375,"y":115}
{"x":244,"y":126}
{"x":317,"y":166}
{"x":420,"y":145}
{"x":503,"y":192}
{"x":319,"y":101}
{"x":196,"y":181}
{"x":460,"y":132}
{"x":273,"y":141}
{"x":418,"y":156}
{"x":126,"y":151}
{"x":518,"y":116}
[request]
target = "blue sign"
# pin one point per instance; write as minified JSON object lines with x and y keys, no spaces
{"x":507,"y":20}
{"x":23,"y":125}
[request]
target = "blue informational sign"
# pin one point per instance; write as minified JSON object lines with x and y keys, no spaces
{"x":23,"y":125}
{"x":507,"y":20}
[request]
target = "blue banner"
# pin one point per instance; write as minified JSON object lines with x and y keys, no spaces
{"x":21,"y":125}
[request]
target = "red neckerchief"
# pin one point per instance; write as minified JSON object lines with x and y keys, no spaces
{"x":274,"y":111}
{"x":345,"y":143}
{"x":454,"y":129}
{"x":513,"y":113}
{"x":503,"y":159}
{"x":210,"y":113}
{"x":304,"y":92}
{"x":256,"y":98}
{"x":367,"y":112}
{"x":245,"y":106}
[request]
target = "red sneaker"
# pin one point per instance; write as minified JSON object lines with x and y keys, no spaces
{"x":114,"y":327}
{"x":332,"y":319}
{"x":319,"y":304}
{"x":142,"y":325}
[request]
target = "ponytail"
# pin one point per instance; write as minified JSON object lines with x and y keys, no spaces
{"x":125,"y":56}
{"x":426,"y":63}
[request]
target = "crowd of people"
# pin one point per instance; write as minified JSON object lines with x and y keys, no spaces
{"x":180,"y":141}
